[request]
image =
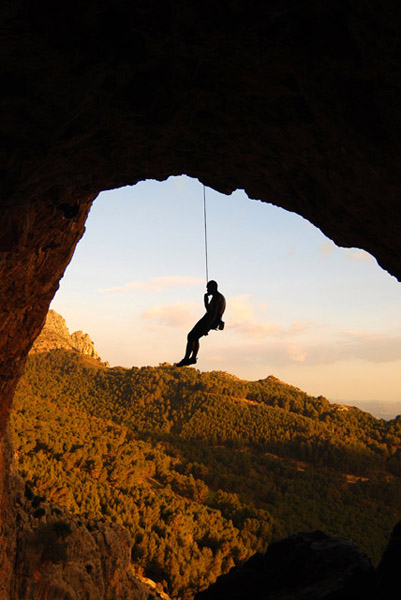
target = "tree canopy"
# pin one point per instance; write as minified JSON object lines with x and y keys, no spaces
{"x":204,"y":469}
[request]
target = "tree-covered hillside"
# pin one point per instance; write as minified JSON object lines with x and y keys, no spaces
{"x":203,"y":468}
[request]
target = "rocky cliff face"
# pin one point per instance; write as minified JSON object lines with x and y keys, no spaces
{"x":63,"y":557}
{"x":55,"y":335}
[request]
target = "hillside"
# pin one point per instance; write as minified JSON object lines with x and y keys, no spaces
{"x":204,"y":469}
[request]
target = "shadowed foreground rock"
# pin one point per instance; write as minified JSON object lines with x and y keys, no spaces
{"x":62,"y":557}
{"x":306,"y":566}
{"x":388,"y":571}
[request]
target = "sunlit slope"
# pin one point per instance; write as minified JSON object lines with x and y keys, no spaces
{"x":203,"y":468}
{"x":216,"y":407}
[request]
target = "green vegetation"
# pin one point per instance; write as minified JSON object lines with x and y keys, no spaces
{"x":203,"y":469}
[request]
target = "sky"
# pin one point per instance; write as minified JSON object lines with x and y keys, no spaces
{"x":322,"y":318}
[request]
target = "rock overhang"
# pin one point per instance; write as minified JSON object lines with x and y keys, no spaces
{"x":295,"y":102}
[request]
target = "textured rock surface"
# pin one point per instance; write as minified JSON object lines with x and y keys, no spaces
{"x":62,"y":557}
{"x":55,"y":335}
{"x":40,"y":243}
{"x":7,"y":516}
{"x":307,"y":566}
{"x":297,"y":102}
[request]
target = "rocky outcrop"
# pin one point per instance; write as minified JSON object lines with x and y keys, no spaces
{"x":55,"y":335}
{"x":82,"y":342}
{"x":62,"y":557}
{"x":307,"y":566}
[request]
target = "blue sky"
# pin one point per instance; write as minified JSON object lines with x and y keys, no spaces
{"x":322,"y":318}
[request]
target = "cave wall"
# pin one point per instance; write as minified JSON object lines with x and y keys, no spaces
{"x":39,"y":245}
{"x":297,"y":102}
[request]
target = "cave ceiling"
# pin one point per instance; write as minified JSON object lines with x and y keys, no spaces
{"x":296,"y":102}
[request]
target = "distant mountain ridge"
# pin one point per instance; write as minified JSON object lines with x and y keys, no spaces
{"x":56,"y":336}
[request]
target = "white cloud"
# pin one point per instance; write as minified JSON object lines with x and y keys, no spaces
{"x":351,"y":254}
{"x":373,"y":347}
{"x":240,"y":309}
{"x":328,"y":248}
{"x":349,"y":346}
{"x":296,"y":353}
{"x":255,"y":330}
{"x":242,"y":317}
{"x":358,"y":255}
{"x":258,"y":329}
{"x":179,"y":316}
{"x":156,"y":284}
{"x":280,"y":352}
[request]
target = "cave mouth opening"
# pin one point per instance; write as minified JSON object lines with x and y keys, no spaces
{"x":300,"y":308}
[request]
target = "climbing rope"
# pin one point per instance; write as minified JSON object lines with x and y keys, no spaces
{"x":205,"y":226}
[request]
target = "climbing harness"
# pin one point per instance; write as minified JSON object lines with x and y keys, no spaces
{"x":205,"y":227}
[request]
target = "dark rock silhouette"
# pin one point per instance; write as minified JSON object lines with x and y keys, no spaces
{"x":306,"y":566}
{"x":388,"y":570}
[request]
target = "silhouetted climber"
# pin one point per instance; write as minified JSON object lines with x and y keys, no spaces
{"x":215,"y":308}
